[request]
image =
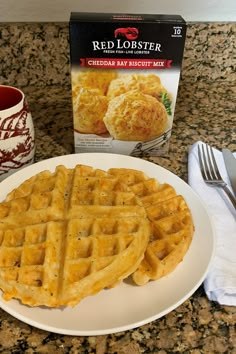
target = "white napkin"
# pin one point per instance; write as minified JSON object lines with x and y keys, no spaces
{"x":220,"y":283}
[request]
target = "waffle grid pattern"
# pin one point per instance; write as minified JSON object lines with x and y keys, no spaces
{"x":171,"y":225}
{"x":56,"y":245}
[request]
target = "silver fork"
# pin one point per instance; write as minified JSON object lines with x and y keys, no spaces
{"x":210,"y":171}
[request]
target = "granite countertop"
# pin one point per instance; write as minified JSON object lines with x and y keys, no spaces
{"x":205,"y":110}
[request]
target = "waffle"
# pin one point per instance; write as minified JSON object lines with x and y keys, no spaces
{"x":37,"y":200}
{"x":69,"y":234}
{"x":171,"y":225}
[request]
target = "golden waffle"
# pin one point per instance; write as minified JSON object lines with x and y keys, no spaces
{"x":69,"y":234}
{"x":171,"y":225}
{"x":104,"y":196}
{"x":37,"y":200}
{"x":59,"y":263}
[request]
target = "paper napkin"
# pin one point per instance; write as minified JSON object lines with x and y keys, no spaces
{"x":220,"y":283}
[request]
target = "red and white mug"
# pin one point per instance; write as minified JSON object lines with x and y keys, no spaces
{"x":17,"y":142}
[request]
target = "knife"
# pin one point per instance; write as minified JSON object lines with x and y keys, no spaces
{"x":230,"y":164}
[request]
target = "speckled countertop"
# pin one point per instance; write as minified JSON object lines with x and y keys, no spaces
{"x":35,"y":57}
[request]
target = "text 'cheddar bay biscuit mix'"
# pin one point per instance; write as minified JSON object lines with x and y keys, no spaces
{"x":125,"y":72}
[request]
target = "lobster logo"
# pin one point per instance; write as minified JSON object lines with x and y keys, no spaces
{"x":16,"y":141}
{"x":130,"y":33}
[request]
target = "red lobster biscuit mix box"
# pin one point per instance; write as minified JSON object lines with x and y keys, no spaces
{"x":125,"y":73}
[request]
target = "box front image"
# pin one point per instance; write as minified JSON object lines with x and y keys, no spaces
{"x":125,"y":72}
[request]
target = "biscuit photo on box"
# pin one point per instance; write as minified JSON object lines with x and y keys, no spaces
{"x":89,"y":106}
{"x":148,"y":84}
{"x":105,"y":102}
{"x":94,"y":79}
{"x":135,"y":116}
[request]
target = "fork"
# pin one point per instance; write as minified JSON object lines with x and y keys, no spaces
{"x":210,"y":171}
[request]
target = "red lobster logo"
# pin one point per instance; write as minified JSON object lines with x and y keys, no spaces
{"x":130,"y":33}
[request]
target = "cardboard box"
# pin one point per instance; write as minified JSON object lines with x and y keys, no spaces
{"x":125,"y":71}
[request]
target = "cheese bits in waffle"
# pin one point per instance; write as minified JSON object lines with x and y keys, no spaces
{"x":94,"y":79}
{"x":171,"y":225}
{"x":68,"y":234}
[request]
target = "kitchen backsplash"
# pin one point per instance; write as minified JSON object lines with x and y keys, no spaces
{"x":38,"y":54}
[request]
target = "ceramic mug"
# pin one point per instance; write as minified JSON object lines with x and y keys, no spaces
{"x":17,"y":143}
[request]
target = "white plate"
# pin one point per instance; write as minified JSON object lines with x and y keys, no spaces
{"x":126,"y":306}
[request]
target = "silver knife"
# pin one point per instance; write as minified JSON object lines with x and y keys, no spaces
{"x":230,"y":163}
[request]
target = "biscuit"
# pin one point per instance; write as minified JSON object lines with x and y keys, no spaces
{"x":134,"y":116}
{"x":148,"y":84}
{"x":94,"y":79}
{"x":89,"y":107}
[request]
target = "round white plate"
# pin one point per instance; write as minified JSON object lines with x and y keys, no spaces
{"x":125,"y":306}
